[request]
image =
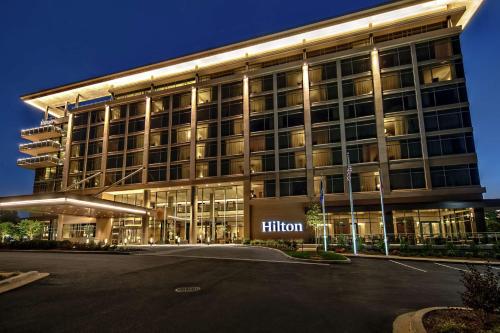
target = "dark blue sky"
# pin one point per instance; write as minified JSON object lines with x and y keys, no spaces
{"x":49,"y":43}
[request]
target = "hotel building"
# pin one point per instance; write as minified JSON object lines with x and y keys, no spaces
{"x":210,"y":146}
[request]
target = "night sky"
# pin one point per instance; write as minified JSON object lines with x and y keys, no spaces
{"x":49,"y":43}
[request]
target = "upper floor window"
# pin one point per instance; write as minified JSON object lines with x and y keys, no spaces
{"x":407,"y":179}
{"x":320,"y":114}
{"x":230,"y":90}
{"x":356,"y":65}
{"x":323,"y":72}
{"x":182,"y":100}
{"x":261,"y":84}
{"x":438,"y":49}
{"x":400,"y":102}
{"x":462,"y":143}
{"x":289,"y":79}
{"x":447,"y":119}
{"x":395,"y":57}
{"x":450,"y":94}
{"x":359,"y":108}
{"x":455,"y":175}
{"x":397,"y":79}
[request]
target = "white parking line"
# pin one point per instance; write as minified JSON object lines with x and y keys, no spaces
{"x":415,"y":268}
{"x":451,"y":267}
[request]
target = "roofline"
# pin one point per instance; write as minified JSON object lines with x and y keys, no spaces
{"x":393,"y":4}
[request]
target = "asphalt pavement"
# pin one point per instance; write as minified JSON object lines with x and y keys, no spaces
{"x":241,"y":289}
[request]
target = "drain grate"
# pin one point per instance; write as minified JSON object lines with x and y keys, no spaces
{"x":184,"y":290}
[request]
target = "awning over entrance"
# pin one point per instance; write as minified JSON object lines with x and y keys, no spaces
{"x":70,"y":204}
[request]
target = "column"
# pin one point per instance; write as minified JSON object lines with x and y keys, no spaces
{"x":421,"y":123}
{"x":307,"y":130}
{"x":276,"y":138}
{"x":169,"y":147}
{"x":246,"y":127}
{"x":194,"y":216}
{"x":145,"y":219}
{"x":219,"y":129}
{"x":192,"y":155}
{"x":105,"y":140}
{"x":67,"y":155}
{"x":145,"y":153}
{"x":246,"y":209}
{"x":379,"y":118}
{"x":342,"y":124}
{"x":389,"y":225}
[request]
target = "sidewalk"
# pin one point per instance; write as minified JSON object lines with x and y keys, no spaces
{"x":425,"y":259}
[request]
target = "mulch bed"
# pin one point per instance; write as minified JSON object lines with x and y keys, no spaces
{"x":458,"y":321}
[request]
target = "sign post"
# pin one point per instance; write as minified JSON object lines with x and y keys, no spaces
{"x":353,"y":226}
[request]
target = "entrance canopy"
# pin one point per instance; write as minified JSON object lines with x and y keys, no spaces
{"x":70,"y":204}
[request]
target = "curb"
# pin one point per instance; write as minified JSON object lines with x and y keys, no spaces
{"x":450,"y":261}
{"x":21,"y":280}
{"x":412,"y":322}
{"x":333,"y":262}
{"x":67,"y":251}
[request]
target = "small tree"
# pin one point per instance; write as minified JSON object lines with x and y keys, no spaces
{"x":482,"y":292}
{"x":6,"y":229}
{"x":29,"y":228}
{"x":313,"y":218}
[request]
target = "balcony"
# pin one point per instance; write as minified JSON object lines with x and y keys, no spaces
{"x":40,"y":148}
{"x":41,"y":133}
{"x":43,"y":161}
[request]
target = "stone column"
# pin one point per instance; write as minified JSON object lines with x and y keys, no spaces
{"x":379,"y":118}
{"x":276,"y":138}
{"x":105,"y":141}
{"x":145,"y":153}
{"x":192,"y":155}
{"x":67,"y":155}
{"x":343,"y":141}
{"x":246,"y":127}
{"x":194,"y":216}
{"x":145,"y":219}
{"x":307,"y":130}
{"x":421,"y":123}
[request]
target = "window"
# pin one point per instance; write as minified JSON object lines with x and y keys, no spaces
{"x":179,"y":171}
{"x":293,"y":186}
{"x":359,"y":108}
{"x":438,"y":49}
{"x":134,"y":159}
{"x":207,"y":95}
{"x":135,"y":142}
{"x":356,"y":65}
{"x":96,"y":132}
{"x":262,"y":142}
{"x":179,"y":153}
{"x":363,"y":153}
{"x":78,"y":150}
{"x":137,"y":109}
{"x":182,"y":100}
{"x":181,"y":117}
{"x":327,"y":157}
{"x":263,"y":189}
{"x":447,"y":119}
{"x":323,"y":135}
{"x":335,"y":184}
{"x":450,"y":144}
{"x":292,"y":160}
{"x":324,"y":92}
{"x":232,"y":127}
{"x":320,"y":114}
{"x":114,"y":161}
{"x":117,"y":128}
{"x":158,"y":156}
{"x":80,"y":119}
{"x":357,"y":87}
{"x":79,"y":134}
{"x":400,"y":102}
{"x":206,"y":112}
{"x":360,"y":130}
{"x":76,"y":166}
{"x":289,"y":79}
{"x":290,"y":118}
{"x":455,"y":175}
{"x":113,"y":177}
{"x":262,"y":163}
{"x":232,"y":147}
{"x":135,"y":178}
{"x":136,"y":125}
{"x":291,"y":139}
{"x":118,"y":112}
{"x":395,"y":57}
{"x":262,"y":123}
{"x":207,"y":149}
{"x":230,"y":90}
{"x":94,"y":164}
{"x":97,"y":116}
{"x":233,"y":108}
{"x":206,"y":131}
{"x":365,"y":182}
{"x":404,"y":149}
{"x":401,"y":125}
{"x":94,"y":148}
{"x":231,"y":166}
{"x":407,"y":179}
{"x":158,"y":139}
{"x":261,"y":103}
{"x":261,"y":84}
{"x":157,"y":174}
{"x":116,"y":144}
{"x":397,"y":80}
{"x":161,"y":105}
{"x":181,"y":134}
{"x":323,"y":72}
{"x":159,"y":121}
{"x":290,"y":98}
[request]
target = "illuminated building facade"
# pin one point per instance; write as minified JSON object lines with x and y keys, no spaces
{"x":217,"y":143}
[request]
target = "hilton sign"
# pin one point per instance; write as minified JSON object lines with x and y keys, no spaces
{"x":279,"y":226}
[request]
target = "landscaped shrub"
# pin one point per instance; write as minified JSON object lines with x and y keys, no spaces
{"x":55,"y":245}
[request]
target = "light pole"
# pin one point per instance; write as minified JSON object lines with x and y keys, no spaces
{"x":353,"y":226}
